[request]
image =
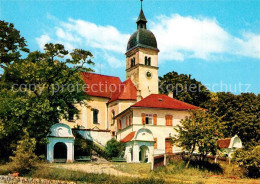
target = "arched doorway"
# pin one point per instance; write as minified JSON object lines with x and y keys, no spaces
{"x":143,"y":154}
{"x":60,"y":152}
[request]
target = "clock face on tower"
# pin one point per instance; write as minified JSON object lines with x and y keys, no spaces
{"x":148,"y":74}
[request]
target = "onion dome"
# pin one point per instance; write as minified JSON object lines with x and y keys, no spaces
{"x":142,"y":37}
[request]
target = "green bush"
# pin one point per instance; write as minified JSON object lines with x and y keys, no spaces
{"x":24,"y":158}
{"x":82,"y":147}
{"x":100,"y":151}
{"x":114,"y":148}
{"x":249,"y":159}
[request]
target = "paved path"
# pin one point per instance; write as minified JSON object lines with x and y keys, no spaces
{"x":94,"y":168}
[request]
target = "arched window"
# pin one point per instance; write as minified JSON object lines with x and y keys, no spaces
{"x":145,"y":60}
{"x":132,"y":62}
{"x":149,"y":61}
{"x":95,"y":116}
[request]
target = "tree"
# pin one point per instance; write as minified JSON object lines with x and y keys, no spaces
{"x":11,"y":44}
{"x":41,"y":90}
{"x":249,"y":159}
{"x":239,"y":113}
{"x":38,"y":90}
{"x":24,"y":158}
{"x":184,"y":88}
{"x":114,"y":148}
{"x":198,"y":132}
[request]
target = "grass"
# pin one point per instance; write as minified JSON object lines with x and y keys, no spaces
{"x":175,"y":173}
{"x":81,"y":177}
{"x":142,"y":169}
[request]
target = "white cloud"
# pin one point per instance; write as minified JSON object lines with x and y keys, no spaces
{"x":96,"y":36}
{"x":113,"y":61}
{"x":189,"y":37}
{"x":86,"y":35}
{"x":179,"y":38}
{"x":42,"y":40}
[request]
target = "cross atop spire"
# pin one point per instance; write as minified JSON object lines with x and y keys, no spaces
{"x":141,"y":21}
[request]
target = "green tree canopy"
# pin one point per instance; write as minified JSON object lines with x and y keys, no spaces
{"x":184,"y":88}
{"x":11,"y":44}
{"x":239,"y":113}
{"x":39,"y":90}
{"x":199,"y":132}
{"x":114,"y":148}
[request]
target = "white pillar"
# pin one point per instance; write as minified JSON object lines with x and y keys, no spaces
{"x":136,"y":153}
{"x":50,"y":151}
{"x":70,"y":152}
{"x":151,"y":152}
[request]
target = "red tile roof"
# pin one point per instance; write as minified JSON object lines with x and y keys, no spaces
{"x":164,"y":102}
{"x":129,"y":137}
{"x":100,"y":85}
{"x":224,"y":143}
{"x":109,"y":87}
{"x":126,"y":91}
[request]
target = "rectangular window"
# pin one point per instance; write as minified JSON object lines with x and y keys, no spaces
{"x":168,"y":119}
{"x":149,"y":119}
{"x":119,"y":125}
{"x":95,"y":116}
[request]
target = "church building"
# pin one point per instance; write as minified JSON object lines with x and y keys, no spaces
{"x":132,"y":111}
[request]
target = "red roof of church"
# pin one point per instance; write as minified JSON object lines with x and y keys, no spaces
{"x":164,"y":102}
{"x":129,"y":137}
{"x":100,"y":85}
{"x":224,"y":143}
{"x":109,"y":87}
{"x":126,"y":91}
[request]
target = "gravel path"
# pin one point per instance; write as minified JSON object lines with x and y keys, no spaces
{"x":95,"y":168}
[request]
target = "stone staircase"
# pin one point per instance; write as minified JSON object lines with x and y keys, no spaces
{"x":97,"y":158}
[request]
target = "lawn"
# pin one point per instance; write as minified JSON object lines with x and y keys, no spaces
{"x":118,"y":173}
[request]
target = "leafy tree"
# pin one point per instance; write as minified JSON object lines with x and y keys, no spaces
{"x":239,"y":113}
{"x":184,"y":88}
{"x":11,"y":44}
{"x":198,"y":132}
{"x":44,"y":89}
{"x":114,"y":148}
{"x":24,"y":158}
{"x":39,"y":90}
{"x":249,"y":159}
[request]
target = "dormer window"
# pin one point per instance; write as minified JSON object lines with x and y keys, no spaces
{"x":147,"y":61}
{"x":132,"y":62}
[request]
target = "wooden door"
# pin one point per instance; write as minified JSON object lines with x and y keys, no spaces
{"x":168,"y":146}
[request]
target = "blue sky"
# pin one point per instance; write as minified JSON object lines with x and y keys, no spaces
{"x":217,"y":42}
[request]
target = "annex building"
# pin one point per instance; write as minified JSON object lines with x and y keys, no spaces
{"x":131,"y":111}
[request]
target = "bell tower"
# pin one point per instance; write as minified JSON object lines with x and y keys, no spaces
{"x":142,"y":58}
